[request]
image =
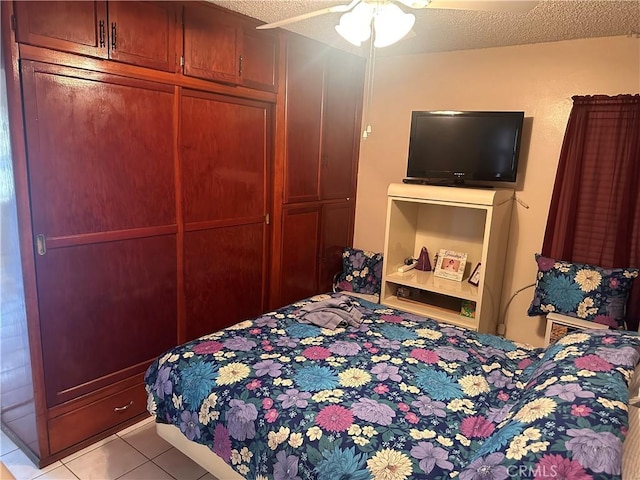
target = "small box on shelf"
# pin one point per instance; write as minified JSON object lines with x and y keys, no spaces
{"x":468,"y":309}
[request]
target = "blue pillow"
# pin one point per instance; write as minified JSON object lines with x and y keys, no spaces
{"x":582,"y":291}
{"x":361,"y":271}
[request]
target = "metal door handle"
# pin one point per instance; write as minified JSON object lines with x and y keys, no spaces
{"x":122,"y":409}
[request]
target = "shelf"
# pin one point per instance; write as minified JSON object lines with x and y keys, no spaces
{"x":431,"y":311}
{"x":429,"y":282}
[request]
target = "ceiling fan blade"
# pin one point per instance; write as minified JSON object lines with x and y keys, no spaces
{"x":482,"y":5}
{"x":304,"y":16}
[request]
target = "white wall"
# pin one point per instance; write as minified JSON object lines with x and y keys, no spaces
{"x":538,"y":79}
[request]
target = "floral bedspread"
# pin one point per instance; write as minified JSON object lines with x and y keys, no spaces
{"x":400,"y":397}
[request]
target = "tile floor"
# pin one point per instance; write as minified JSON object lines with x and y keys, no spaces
{"x":135,"y":453}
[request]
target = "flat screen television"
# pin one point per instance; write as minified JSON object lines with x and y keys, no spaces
{"x":456,"y":147}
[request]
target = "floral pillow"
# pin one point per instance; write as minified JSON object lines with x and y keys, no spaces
{"x":583,"y":291}
{"x":361,"y":271}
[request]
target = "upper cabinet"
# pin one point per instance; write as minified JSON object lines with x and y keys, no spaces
{"x":77,"y":27}
{"x":324,"y":101}
{"x":223,"y":47}
{"x":137,"y":33}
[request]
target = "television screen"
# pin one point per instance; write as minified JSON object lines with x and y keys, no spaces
{"x":462,"y":146}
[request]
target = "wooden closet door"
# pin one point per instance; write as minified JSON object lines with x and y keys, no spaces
{"x":341,"y":139}
{"x":225,"y":152}
{"x":101,"y":176}
{"x":69,"y":26}
{"x":299,"y":271}
{"x":259,"y":67}
{"x":305,"y":84}
{"x":143,"y":33}
{"x":337,"y":233}
{"x":212,"y":44}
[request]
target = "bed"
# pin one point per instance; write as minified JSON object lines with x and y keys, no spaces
{"x":399,"y":396}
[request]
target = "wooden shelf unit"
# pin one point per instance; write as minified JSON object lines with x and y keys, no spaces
{"x":469,"y":220}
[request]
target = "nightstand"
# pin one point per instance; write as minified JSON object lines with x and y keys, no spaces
{"x":559,"y":325}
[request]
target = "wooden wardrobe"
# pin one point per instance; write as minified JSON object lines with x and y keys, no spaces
{"x":172,"y":165}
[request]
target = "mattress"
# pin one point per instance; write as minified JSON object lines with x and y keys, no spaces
{"x":398,"y":397}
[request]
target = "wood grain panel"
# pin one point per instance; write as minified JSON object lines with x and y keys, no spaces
{"x":84,"y":422}
{"x":337,"y":233}
{"x":299,"y":253}
{"x":143,"y":33}
{"x":103,"y":308}
{"x":259,"y":59}
{"x":69,"y":26}
{"x":100,"y":151}
{"x":212,"y":42}
{"x":304,"y":97}
{"x":224,"y":277}
{"x":225,"y":152}
{"x":341,"y":139}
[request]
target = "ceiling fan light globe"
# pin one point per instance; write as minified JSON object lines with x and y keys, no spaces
{"x":353,"y":36}
{"x":355,"y":26}
{"x":391,"y":25}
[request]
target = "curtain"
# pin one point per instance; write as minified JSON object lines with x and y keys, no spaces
{"x":594,"y":216}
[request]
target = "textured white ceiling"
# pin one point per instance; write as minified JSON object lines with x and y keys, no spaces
{"x":445,"y":30}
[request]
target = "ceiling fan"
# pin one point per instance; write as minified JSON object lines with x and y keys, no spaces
{"x":390,"y":22}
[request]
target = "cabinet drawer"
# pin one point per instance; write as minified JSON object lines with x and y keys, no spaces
{"x":94,"y":418}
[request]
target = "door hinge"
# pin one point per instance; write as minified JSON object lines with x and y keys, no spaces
{"x":13,"y":23}
{"x":41,"y":244}
{"x":182,"y":61}
{"x":267,"y":219}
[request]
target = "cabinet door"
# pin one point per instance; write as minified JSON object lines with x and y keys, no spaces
{"x":76,"y":27}
{"x":336,"y":233}
{"x":305,"y":84}
{"x":341,"y":126}
{"x":225,"y":156}
{"x":212,"y":40}
{"x":299,"y":271}
{"x":101,"y":177}
{"x":259,"y":59}
{"x":143,"y":33}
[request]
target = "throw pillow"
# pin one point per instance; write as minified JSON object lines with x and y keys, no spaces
{"x":361,"y":271}
{"x":583,"y":291}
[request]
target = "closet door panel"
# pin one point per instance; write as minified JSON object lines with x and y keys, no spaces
{"x":143,"y":33}
{"x":259,"y":68}
{"x":212,"y":40}
{"x":225,"y":271}
{"x":337,"y":233}
{"x":106,"y":310}
{"x":225,"y":150}
{"x":341,"y":125}
{"x":100,"y":151}
{"x":68,"y":26}
{"x":305,"y":83}
{"x":299,"y":253}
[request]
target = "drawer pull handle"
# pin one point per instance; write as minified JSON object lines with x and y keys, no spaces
{"x":122,"y":409}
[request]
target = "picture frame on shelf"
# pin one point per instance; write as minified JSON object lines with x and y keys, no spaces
{"x":474,"y":279}
{"x":450,"y":265}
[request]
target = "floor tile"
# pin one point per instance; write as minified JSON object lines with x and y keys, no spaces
{"x":147,"y":471}
{"x":23,"y":468}
{"x":135,"y":426}
{"x":179,"y":465}
{"x":91,"y":447}
{"x":6,"y":445}
{"x":107,"y":462}
{"x":146,"y":441}
{"x":60,"y":473}
{"x":208,"y":476}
